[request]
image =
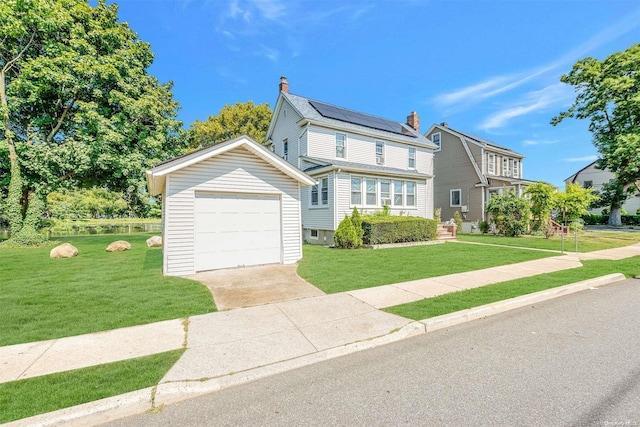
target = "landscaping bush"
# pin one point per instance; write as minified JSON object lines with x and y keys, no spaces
{"x":356,"y":219}
{"x":397,"y":229}
{"x":458,"y":221}
{"x":484,"y":227}
{"x":595,"y":219}
{"x":630,"y":219}
{"x":346,"y":236}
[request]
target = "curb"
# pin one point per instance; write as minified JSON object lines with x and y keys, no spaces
{"x":139,"y":401}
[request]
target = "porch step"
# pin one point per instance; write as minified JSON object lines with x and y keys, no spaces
{"x":446,"y":232}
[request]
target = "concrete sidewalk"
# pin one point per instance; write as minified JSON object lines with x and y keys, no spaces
{"x":235,"y":346}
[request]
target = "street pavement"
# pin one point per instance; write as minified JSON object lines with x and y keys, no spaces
{"x":569,"y":361}
{"x":232,"y":347}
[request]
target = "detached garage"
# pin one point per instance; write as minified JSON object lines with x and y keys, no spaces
{"x":229,"y":205}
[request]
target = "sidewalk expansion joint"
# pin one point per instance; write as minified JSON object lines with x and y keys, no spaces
{"x":296,"y":327}
{"x":36,"y":360}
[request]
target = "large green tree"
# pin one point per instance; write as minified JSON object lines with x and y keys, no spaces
{"x":242,"y":118}
{"x":608,"y":95}
{"x":78,"y":106}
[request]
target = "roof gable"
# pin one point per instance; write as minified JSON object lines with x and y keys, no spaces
{"x":156,"y":177}
{"x":474,"y":140}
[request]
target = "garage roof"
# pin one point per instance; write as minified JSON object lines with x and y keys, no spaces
{"x":156,"y":177}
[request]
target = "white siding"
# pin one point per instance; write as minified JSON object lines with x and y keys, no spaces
{"x":237,"y":171}
{"x":318,"y":217}
{"x":286,"y":127}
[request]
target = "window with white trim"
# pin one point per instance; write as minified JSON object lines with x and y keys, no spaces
{"x":379,"y":153}
{"x":412,"y":158}
{"x":411,"y":193}
{"x":313,"y":234}
{"x":397,"y":193}
{"x":505,"y":167}
{"x":435,"y":138}
{"x":285,"y":152}
{"x":491,"y":164}
{"x":587,"y":184}
{"x":385,"y":193}
{"x":516,"y":168}
{"x":320,"y":193}
{"x":372,"y":193}
{"x":341,"y":140}
{"x":455,"y":197}
{"x":356,"y":191}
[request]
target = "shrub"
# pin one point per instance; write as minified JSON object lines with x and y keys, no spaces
{"x":345,"y":236}
{"x":397,"y":229}
{"x":509,"y":214}
{"x":484,"y":227}
{"x":458,"y":221}
{"x":631,"y":219}
{"x":356,"y":219}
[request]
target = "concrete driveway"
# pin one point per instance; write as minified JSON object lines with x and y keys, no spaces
{"x":250,"y":286}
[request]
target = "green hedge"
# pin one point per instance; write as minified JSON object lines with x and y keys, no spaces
{"x":397,"y":229}
{"x":593,"y":219}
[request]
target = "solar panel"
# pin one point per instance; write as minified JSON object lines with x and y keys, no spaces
{"x":349,"y":116}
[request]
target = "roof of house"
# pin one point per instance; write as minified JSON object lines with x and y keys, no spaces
{"x":474,"y":138}
{"x":322,"y":164}
{"x":156,"y":176}
{"x":354,"y":121}
{"x":575,"y":175}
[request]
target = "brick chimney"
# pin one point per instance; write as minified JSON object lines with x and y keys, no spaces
{"x":414,"y":121}
{"x":284,"y":86}
{"x":444,"y":124}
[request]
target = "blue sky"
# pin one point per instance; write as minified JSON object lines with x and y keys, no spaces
{"x":490,"y":68}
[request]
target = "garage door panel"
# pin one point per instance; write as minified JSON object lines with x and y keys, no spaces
{"x":237,"y":229}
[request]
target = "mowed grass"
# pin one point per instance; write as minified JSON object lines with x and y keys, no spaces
{"x":338,"y":270}
{"x":462,"y":300}
{"x":25,"y":398}
{"x":44,"y":298}
{"x":588,"y":241}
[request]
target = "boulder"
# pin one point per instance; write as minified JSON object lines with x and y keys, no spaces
{"x":119,"y":246}
{"x":65,"y":250}
{"x":154,"y":242}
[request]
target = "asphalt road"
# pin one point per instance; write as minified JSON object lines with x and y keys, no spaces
{"x":571,"y":361}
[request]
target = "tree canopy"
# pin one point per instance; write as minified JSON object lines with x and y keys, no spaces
{"x":232,"y":121}
{"x":608,"y":95}
{"x":78,"y":106}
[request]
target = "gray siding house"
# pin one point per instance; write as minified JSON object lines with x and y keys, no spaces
{"x":469,"y":170}
{"x":357,"y":159}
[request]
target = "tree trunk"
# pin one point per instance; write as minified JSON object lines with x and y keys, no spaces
{"x":615,"y":217}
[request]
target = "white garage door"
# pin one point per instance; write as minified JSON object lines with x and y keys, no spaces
{"x":236,"y":229}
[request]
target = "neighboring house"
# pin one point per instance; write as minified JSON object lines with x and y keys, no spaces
{"x":468,"y":170}
{"x":592,"y":177}
{"x":228,"y":205}
{"x":358,"y":160}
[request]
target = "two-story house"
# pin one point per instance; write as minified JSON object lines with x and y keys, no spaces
{"x":469,"y":170}
{"x":592,"y":177}
{"x":358,"y":160}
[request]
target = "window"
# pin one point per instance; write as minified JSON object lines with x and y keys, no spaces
{"x":587,"y":184}
{"x":505,"y":167}
{"x":397,"y":193}
{"x":356,"y":191}
{"x":455,"y":198}
{"x":379,"y":153}
{"x":320,"y":192}
{"x":385,"y":193}
{"x":340,"y":145}
{"x":516,"y":169}
{"x":435,"y":138}
{"x":412,"y":158}
{"x":491,"y":164}
{"x":372,"y":194}
{"x":411,"y":193}
{"x":285,"y":143}
{"x":313,"y":234}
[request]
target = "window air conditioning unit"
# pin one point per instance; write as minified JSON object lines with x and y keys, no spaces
{"x":464,"y":208}
{"x":379,"y":160}
{"x":386,"y":202}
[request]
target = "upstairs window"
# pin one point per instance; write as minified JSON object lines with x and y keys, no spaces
{"x":285,"y":150}
{"x":435,"y":138}
{"x":412,"y":158}
{"x":320,"y":192}
{"x":491,"y":164}
{"x":379,"y":153}
{"x":397,"y":193}
{"x":505,"y":167}
{"x":587,"y":184}
{"x":340,"y":146}
{"x":516,"y":169}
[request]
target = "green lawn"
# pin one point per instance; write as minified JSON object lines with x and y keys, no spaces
{"x":588,"y":241}
{"x":339,"y":270}
{"x":25,"y":398}
{"x":462,"y":300}
{"x":44,"y":298}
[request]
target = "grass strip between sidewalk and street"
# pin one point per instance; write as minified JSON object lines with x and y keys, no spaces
{"x":449,"y":303}
{"x":339,"y":270}
{"x":39,"y":395}
{"x":44,"y":298}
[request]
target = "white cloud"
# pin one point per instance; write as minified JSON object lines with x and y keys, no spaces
{"x":268,"y":52}
{"x":498,"y":84}
{"x":270,"y":9}
{"x":538,"y":142}
{"x":582,"y":159}
{"x":531,"y":102}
